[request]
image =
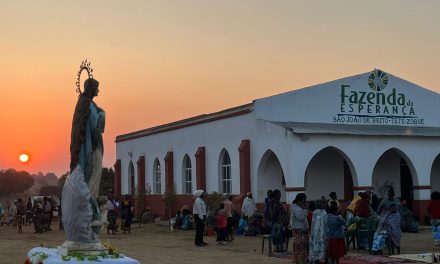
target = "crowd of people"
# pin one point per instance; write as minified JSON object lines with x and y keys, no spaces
{"x":40,"y":213}
{"x":120,"y":213}
{"x":37,"y":212}
{"x":317,"y":228}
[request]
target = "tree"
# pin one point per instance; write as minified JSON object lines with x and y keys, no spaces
{"x":139,"y":201}
{"x":170,"y":200}
{"x":14,"y":182}
{"x":107,"y":181}
{"x":213,"y":200}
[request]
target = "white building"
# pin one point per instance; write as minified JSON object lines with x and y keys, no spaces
{"x":370,"y":130}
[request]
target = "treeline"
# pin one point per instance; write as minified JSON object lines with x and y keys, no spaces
{"x":22,"y":183}
{"x":13,"y":182}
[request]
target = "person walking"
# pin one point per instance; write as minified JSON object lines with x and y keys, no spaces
{"x":29,"y":211}
{"x":21,"y":212}
{"x":199,"y":213}
{"x":229,"y":209}
{"x":47,"y":215}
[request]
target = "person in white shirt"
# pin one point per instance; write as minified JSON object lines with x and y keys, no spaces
{"x":199,"y":213}
{"x":248,"y":207}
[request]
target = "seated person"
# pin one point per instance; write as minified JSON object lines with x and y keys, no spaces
{"x":255,"y":226}
{"x":242,"y":226}
{"x":187,"y":223}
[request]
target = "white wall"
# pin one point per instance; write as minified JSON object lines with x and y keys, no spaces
{"x":213,"y":136}
{"x":294,"y":152}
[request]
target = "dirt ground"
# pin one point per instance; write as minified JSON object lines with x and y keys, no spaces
{"x":152,"y":243}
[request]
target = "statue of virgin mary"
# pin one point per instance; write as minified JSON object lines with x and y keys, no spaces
{"x":80,"y":210}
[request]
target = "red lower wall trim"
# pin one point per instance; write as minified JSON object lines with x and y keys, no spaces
{"x":422,"y":187}
{"x":420,"y":208}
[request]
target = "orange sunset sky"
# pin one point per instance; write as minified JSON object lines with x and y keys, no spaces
{"x":156,"y":59}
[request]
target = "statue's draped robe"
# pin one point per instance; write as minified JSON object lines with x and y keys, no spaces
{"x":82,"y":185}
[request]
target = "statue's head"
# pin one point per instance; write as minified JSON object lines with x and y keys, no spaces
{"x":91,"y":87}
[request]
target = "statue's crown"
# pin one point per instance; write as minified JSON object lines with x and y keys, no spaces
{"x":85,"y":65}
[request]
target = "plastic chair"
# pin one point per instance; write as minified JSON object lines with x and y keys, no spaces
{"x":372,"y":223}
{"x":366,"y":230}
{"x":274,"y":237}
{"x":391,"y":246}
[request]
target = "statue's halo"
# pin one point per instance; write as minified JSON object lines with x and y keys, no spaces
{"x":85,"y":65}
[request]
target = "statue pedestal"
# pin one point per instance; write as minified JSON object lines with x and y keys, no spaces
{"x":51,"y":256}
{"x":69,"y":247}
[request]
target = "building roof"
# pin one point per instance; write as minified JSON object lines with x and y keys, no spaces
{"x":371,"y":103}
{"x":192,"y":121}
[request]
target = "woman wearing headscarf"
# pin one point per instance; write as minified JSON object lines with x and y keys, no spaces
{"x":386,"y":204}
{"x":389,"y":226}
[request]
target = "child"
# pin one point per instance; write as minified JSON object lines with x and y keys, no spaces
{"x":335,"y":234}
{"x":221,"y":225}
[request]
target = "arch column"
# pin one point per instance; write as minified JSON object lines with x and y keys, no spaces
{"x":169,"y":173}
{"x":141,"y":173}
{"x":362,"y":166}
{"x":140,"y":192}
{"x":422,"y":166}
{"x":245,"y":167}
{"x":200,"y":169}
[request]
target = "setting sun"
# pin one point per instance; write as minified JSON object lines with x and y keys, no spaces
{"x":24,"y":158}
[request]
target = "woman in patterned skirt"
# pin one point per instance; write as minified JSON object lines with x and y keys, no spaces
{"x":300,"y":227}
